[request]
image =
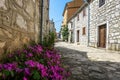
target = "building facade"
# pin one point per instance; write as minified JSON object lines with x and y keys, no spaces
{"x":69,"y":10}
{"x":78,"y":26}
{"x":52,"y":26}
{"x":105,"y":24}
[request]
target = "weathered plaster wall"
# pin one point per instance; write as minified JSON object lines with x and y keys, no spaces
{"x":108,"y":14}
{"x":80,"y":24}
{"x":19,"y":23}
{"x":74,"y":25}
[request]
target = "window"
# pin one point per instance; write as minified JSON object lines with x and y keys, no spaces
{"x":77,"y":17}
{"x":101,"y":2}
{"x":71,"y":24}
{"x":84,"y":31}
{"x":84,"y":12}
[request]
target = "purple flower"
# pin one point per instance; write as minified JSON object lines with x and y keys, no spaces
{"x":10,"y":66}
{"x":19,"y":70}
{"x":1,"y":66}
{"x":25,"y":51}
{"x":27,"y":71}
{"x":30,"y":55}
{"x":44,"y":72}
{"x":48,"y":54}
{"x":39,"y":48}
{"x":43,"y":69}
{"x":30,"y":63}
{"x":39,"y":66}
{"x":24,"y":78}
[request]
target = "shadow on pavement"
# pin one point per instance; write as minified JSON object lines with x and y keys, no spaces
{"x":84,"y":69}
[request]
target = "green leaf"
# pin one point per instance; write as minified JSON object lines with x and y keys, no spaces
{"x":12,"y":73}
{"x":7,"y":73}
{"x":16,"y":58}
{"x":36,"y":75}
{"x":42,"y":61}
{"x":0,"y":74}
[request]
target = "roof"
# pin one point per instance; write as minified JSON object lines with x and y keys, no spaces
{"x":79,"y":10}
{"x":66,"y":5}
{"x":72,"y":4}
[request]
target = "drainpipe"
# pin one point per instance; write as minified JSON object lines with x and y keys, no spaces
{"x":41,"y":19}
{"x":87,"y":2}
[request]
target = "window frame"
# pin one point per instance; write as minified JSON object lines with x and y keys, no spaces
{"x":84,"y":12}
{"x":84,"y":31}
{"x":101,"y":3}
{"x":78,"y":18}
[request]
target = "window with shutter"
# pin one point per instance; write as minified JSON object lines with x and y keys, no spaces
{"x":84,"y":31}
{"x":77,"y":17}
{"x":101,"y":2}
{"x":84,"y":12}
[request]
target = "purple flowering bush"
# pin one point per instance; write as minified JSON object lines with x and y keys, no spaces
{"x":33,"y":63}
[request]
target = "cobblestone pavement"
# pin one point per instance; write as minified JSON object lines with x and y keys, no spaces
{"x":86,"y":63}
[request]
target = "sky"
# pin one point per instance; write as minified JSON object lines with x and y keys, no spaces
{"x":56,"y":10}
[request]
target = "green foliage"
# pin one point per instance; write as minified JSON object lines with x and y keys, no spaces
{"x":36,"y":75}
{"x":65,"y":33}
{"x":49,"y":40}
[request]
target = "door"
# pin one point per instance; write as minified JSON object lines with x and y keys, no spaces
{"x":102,"y":36}
{"x":77,"y":35}
{"x":71,"y":38}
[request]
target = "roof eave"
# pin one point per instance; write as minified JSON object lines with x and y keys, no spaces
{"x":77,"y":12}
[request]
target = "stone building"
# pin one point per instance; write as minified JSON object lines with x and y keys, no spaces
{"x":69,"y":10}
{"x":52,"y":26}
{"x":104,"y":30}
{"x":78,"y":26}
{"x":45,"y":24}
{"x":19,"y":23}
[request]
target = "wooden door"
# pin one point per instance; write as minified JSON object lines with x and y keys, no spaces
{"x":102,"y":36}
{"x":77,"y":35}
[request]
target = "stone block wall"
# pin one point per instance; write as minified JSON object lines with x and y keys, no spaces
{"x":19,"y":23}
{"x":108,"y":14}
{"x":46,"y":28}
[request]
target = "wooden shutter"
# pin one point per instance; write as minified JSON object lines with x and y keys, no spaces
{"x":84,"y":12}
{"x":84,"y":31}
{"x":78,"y":17}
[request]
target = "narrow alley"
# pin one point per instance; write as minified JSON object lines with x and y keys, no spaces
{"x":86,"y":63}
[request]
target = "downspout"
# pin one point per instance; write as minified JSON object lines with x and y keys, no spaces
{"x":88,"y":24}
{"x":88,"y":41}
{"x":74,"y":33}
{"x":41,"y":19}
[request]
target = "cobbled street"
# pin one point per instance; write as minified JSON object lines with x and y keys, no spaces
{"x":86,"y":63}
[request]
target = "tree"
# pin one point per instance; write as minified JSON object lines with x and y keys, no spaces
{"x":65,"y":33}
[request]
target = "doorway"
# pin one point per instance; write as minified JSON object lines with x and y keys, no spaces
{"x":78,"y":35}
{"x":102,"y":36}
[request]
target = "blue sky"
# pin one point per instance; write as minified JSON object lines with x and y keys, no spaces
{"x":56,"y":10}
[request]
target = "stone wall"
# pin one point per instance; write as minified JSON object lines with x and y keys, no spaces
{"x":46,"y":28}
{"x":108,"y":14}
{"x":19,"y":23}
